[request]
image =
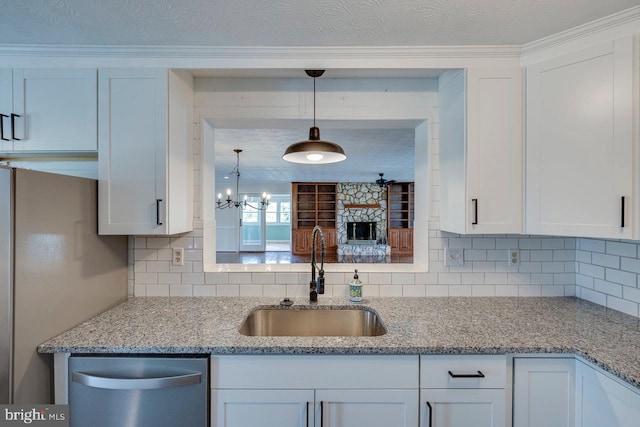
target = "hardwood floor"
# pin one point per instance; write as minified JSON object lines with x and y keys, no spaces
{"x":279,"y":257}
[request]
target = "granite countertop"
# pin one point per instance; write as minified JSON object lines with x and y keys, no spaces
{"x":605,"y":337}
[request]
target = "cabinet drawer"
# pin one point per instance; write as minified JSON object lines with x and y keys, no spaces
{"x":463,"y":371}
{"x":315,"y":371}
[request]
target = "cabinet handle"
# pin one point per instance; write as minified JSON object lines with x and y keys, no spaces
{"x":622,"y":211}
{"x":475,"y":211}
{"x":321,"y":413}
{"x":307,"y":414}
{"x":13,"y":126}
{"x":430,"y":413}
{"x":2,"y":116}
{"x":158,"y":220}
{"x":478,"y":375}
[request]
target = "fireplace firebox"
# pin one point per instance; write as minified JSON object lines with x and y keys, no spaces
{"x":361,"y":233}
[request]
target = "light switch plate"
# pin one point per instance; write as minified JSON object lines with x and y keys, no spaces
{"x":453,"y":257}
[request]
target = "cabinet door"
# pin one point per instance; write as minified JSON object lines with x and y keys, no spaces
{"x":6,"y":108}
{"x":261,"y":408}
{"x":132,"y":155}
{"x":543,"y":392}
{"x":301,"y":241}
{"x":580,"y":143}
{"x":371,"y":408}
{"x":494,"y":150}
{"x":462,"y":408}
{"x":602,"y":401}
{"x":58,"y":109}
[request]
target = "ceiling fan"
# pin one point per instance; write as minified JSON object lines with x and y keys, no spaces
{"x":384,"y":182}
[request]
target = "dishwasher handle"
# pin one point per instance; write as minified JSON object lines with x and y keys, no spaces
{"x":111,"y":383}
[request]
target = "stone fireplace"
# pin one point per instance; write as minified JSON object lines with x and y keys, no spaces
{"x":361,"y":221}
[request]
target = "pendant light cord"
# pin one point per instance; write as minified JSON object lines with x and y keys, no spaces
{"x":314,"y":102}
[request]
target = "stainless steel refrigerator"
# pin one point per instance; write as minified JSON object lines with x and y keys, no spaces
{"x":55,"y":272}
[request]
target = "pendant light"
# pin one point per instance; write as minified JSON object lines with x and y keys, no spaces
{"x":314,"y":150}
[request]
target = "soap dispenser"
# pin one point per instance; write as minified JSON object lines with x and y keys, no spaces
{"x":355,"y":289}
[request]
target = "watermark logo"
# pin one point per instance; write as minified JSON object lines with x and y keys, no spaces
{"x":35,"y":415}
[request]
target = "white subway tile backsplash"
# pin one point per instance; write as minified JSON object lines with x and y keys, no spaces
{"x":630,"y":264}
{"x":380,"y":278}
{"x":507,"y":243}
{"x":204,"y":291}
{"x":158,"y":242}
{"x":483,"y":291}
{"x":553,"y":291}
{"x":622,"y":249}
{"x":157,"y":290}
{"x":460,"y":291}
{"x":591,"y":270}
{"x":413,"y":290}
{"x":216,"y":278}
{"x":622,"y":305}
{"x":519,"y":278}
{"x":251,"y":290}
{"x":473,"y":279}
{"x":157,"y":266}
{"x":403,"y":279}
{"x":506,"y":290}
{"x":193,"y":278}
{"x":607,"y":288}
{"x":631,"y":294}
{"x":240,"y":278}
{"x":529,"y":291}
{"x":228,"y":290}
{"x":555,"y":243}
{"x":530,"y":243}
{"x":592,"y":245}
{"x":593,"y":296}
{"x":170,"y":278}
{"x":475,"y":255}
{"x":543,"y":278}
{"x":584,"y":281}
{"x":437,"y":291}
{"x":274,"y":291}
{"x":449,"y":279}
{"x":180,"y":290}
{"x":145,"y":278}
{"x":390,"y":291}
{"x":603,"y":260}
{"x":619,"y":276}
{"x":263,"y":278}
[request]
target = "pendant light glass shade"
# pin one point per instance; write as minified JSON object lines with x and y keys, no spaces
{"x":314,"y":150}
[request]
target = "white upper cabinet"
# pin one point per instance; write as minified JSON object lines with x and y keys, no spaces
{"x":48,"y":110}
{"x":481,"y":144}
{"x":580,"y":143}
{"x":145,"y":155}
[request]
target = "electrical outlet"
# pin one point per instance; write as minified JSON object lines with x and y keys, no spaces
{"x":178,"y":256}
{"x":453,"y":257}
{"x":514,"y":257}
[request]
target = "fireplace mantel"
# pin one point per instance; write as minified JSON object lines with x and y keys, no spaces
{"x":361,"y":206}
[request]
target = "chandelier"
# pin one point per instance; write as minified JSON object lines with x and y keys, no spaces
{"x":229,"y":203}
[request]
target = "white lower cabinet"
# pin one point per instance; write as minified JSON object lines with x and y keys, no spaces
{"x":461,"y":391}
{"x":462,"y":408}
{"x":543,"y":392}
{"x":603,"y":401}
{"x":371,"y":408}
{"x":314,"y":391}
{"x":284,"y":408}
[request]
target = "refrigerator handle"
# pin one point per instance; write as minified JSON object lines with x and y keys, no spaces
{"x":112,"y":383}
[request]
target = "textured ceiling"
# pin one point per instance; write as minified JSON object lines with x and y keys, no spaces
{"x":369,"y":152}
{"x":294,"y":22}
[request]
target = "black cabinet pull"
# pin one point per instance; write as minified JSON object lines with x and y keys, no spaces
{"x":430,"y":414}
{"x":321,"y":413}
{"x":158,"y":220}
{"x":622,"y":212}
{"x":13,"y":126}
{"x":475,"y":211}
{"x":478,"y":375}
{"x":2,"y":116}
{"x":307,"y":414}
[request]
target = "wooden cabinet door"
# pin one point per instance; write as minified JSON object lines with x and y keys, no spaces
{"x":267,"y":408}
{"x":543,"y":392}
{"x":371,"y":408}
{"x":580,"y":147}
{"x":401,"y":241}
{"x":301,"y":241}
{"x":58,"y":109}
{"x":462,"y":408}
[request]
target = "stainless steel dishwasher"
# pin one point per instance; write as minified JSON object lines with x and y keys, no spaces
{"x":138,"y":391}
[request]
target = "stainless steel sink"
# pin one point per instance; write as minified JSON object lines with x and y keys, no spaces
{"x":306,"y":322}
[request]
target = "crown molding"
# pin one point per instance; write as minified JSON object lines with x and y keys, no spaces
{"x":259,"y":52}
{"x":628,"y":16}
